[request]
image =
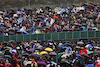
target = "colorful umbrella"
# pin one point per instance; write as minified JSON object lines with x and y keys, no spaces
{"x":90,"y":65}
{"x":49,"y":49}
{"x":53,"y":62}
{"x":13,"y":51}
{"x":7,"y":48}
{"x":43,"y":52}
{"x":83,"y":52}
{"x":7,"y":56}
{"x":39,"y":41}
{"x":42,"y":63}
{"x":37,"y":53}
{"x":77,"y":55}
{"x":1,"y":53}
{"x":60,"y":54}
{"x":20,"y":12}
{"x":29,"y":62}
{"x":35,"y":41}
{"x":88,"y":46}
{"x":89,"y":52}
{"x":31,"y":50}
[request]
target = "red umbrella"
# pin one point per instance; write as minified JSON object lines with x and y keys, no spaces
{"x":83,"y":52}
{"x":7,"y":64}
{"x":1,"y":64}
{"x":15,"y":59}
{"x":55,"y":17}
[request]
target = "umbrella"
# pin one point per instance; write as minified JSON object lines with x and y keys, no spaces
{"x":50,"y":41}
{"x":7,"y":53}
{"x":95,"y":28}
{"x":34,"y":55}
{"x":80,"y":42}
{"x":7,"y":48}
{"x":42,"y":63}
{"x":17,"y":29}
{"x":37,"y":53}
{"x":31,"y":50}
{"x":2,"y":27}
{"x":38,"y":48}
{"x":89,"y":52}
{"x":5,"y":43}
{"x":64,"y":47}
{"x":90,"y":17}
{"x":43,"y":52}
{"x":90,"y":65}
{"x":84,"y":18}
{"x":83,"y":52}
{"x":13,"y":51}
{"x":64,"y":62}
{"x":6,"y":18}
{"x":88,"y":46}
{"x":25,"y":54}
{"x":77,"y":55}
{"x":11,"y":41}
{"x":60,"y":54}
{"x":49,"y":49}
{"x":52,"y":53}
{"x":66,"y":44}
{"x":39,"y":41}
{"x":29,"y":62}
{"x":20,"y":12}
{"x":1,"y":12}
{"x":2,"y":59}
{"x":65,"y":55}
{"x":18,"y":47}
{"x":35,"y":41}
{"x":15,"y":15}
{"x":1,"y":53}
{"x":7,"y":56}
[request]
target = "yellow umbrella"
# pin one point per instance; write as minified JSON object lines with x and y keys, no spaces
{"x":30,"y":42}
{"x":49,"y":49}
{"x":43,"y":52}
{"x":0,"y":52}
{"x":29,"y":62}
{"x":35,"y":41}
{"x":36,"y":53}
{"x":10,"y":48}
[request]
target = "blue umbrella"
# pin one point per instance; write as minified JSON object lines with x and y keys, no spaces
{"x":1,"y":27}
{"x":90,"y":65}
{"x":77,"y":55}
{"x":20,"y":12}
{"x":17,"y":29}
{"x":64,"y":47}
{"x":88,"y":46}
{"x":39,"y":41}
{"x":24,"y":32}
{"x":50,"y":41}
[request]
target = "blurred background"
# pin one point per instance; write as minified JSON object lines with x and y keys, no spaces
{"x":37,"y":3}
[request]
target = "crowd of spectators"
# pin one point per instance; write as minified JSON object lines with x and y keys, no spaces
{"x":47,"y":20}
{"x":49,"y":54}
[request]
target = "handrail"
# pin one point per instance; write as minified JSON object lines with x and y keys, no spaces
{"x":52,"y":36}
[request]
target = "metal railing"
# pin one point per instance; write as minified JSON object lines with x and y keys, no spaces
{"x":52,"y":36}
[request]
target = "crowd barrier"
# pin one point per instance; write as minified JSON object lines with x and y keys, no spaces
{"x":52,"y":36}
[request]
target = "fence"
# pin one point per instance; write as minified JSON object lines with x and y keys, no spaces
{"x":52,"y":36}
